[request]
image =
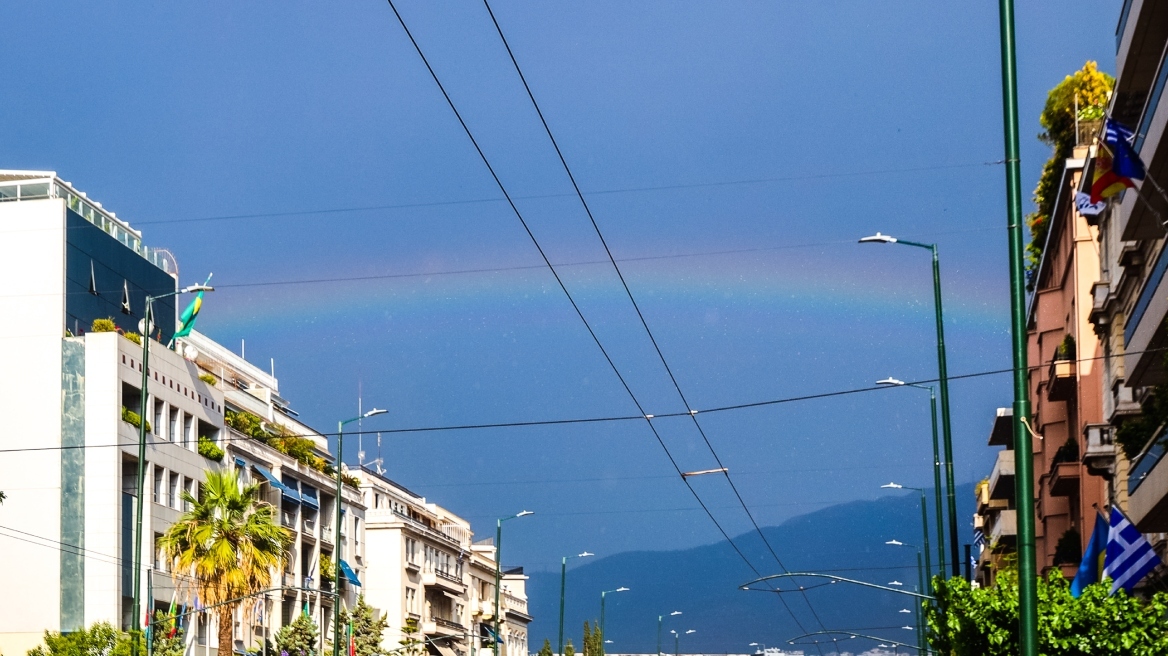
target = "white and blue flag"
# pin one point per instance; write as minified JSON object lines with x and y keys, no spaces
{"x":1130,"y":556}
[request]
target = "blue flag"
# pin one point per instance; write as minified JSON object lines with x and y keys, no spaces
{"x":1091,"y":569}
{"x":1126,"y":163}
{"x":1129,"y":554}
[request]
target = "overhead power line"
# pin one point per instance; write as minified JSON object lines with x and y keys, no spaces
{"x":640,"y":315}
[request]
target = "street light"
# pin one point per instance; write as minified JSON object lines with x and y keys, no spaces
{"x":563,"y":583}
{"x":936,"y":467}
{"x":147,"y":326}
{"x":677,"y":641}
{"x":924,"y":522}
{"x":943,"y":379}
{"x":499,"y":570}
{"x":337,"y":542}
{"x":761,"y":647}
{"x":659,"y":618}
{"x":602,"y":595}
{"x":920,"y":589}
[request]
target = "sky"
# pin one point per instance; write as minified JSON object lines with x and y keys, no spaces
{"x":731,"y":153}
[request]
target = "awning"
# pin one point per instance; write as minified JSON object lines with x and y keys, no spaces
{"x":350,"y":575}
{"x":285,"y":491}
{"x":239,"y":462}
{"x":442,"y":649}
{"x":308,"y":497}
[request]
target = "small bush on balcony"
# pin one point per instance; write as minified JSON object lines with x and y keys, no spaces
{"x":328,"y":570}
{"x":132,"y":418}
{"x":1068,"y":551}
{"x":208,"y":449}
{"x":208,"y":378}
{"x":103,"y":326}
{"x":1066,"y":348}
{"x":133,"y":337}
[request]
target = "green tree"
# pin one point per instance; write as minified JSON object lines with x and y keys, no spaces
{"x":230,"y":541}
{"x":368,"y":627}
{"x":411,"y":642}
{"x":299,"y":638}
{"x":969,"y":621}
{"x":101,"y":639}
{"x":569,"y":650}
{"x":586,"y":643}
{"x":162,"y":642}
{"x":1087,"y":90}
{"x":546,"y":649}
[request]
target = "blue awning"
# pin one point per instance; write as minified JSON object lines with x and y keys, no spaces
{"x":240,"y":463}
{"x":285,"y":491}
{"x":350,"y":575}
{"x":308,"y":498}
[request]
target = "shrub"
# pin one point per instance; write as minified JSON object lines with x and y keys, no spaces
{"x":208,"y":449}
{"x":299,"y":638}
{"x":1068,"y":551}
{"x":208,"y":378}
{"x":133,"y":337}
{"x":1066,"y":348}
{"x":132,"y":418}
{"x":328,"y":570}
{"x":103,"y":326}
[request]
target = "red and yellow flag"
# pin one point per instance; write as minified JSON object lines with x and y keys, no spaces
{"x":1107,"y":182}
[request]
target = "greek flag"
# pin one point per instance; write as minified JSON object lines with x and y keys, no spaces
{"x":979,"y":540}
{"x":1129,"y":554}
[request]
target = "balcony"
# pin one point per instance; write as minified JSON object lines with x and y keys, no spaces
{"x":1001,"y":485}
{"x":442,"y":626}
{"x":1099,"y":458}
{"x":1005,"y":528}
{"x":486,"y":609}
{"x":309,"y":526}
{"x":443,"y":580}
{"x":1060,"y":381}
{"x":515,"y":607}
{"x":1147,"y":486}
{"x":288,"y":519}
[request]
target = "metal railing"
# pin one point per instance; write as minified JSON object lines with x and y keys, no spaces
{"x":426,"y":529}
{"x":448,"y":576}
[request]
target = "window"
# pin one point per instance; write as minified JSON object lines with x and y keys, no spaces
{"x":157,"y":426}
{"x":159,"y":473}
{"x":189,"y":487}
{"x":159,"y":555}
{"x":202,"y":620}
{"x":189,"y":431}
{"x":411,"y":600}
{"x":172,"y":433}
{"x":173,"y":490}
{"x":411,"y":551}
{"x":356,"y":536}
{"x":376,"y":500}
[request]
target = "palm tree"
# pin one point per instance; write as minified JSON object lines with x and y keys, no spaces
{"x":230,"y":541}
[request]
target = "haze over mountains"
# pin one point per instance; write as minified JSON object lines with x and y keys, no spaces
{"x":703,"y":583}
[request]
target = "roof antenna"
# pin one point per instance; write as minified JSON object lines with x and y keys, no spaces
{"x":360,"y":434}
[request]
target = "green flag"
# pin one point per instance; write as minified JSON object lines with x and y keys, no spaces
{"x":186,"y":320}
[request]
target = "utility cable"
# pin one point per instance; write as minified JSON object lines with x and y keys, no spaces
{"x":564,"y":288}
{"x":640,"y":315}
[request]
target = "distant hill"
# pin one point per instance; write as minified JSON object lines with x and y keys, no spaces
{"x":703,"y":583}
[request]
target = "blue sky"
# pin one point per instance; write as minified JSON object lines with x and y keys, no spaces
{"x":826,"y":120}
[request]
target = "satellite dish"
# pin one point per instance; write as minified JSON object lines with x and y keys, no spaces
{"x":190,"y":353}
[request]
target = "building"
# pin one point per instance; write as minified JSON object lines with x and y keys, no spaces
{"x":1130,"y":297}
{"x":433,"y":582}
{"x":996,"y":514}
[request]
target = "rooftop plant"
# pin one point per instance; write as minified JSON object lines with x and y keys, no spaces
{"x":277,"y":436}
{"x":103,"y":326}
{"x":208,"y":449}
{"x":132,"y":418}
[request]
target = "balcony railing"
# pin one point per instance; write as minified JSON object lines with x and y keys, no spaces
{"x":1146,"y":461}
{"x":1124,"y":13}
{"x":1002,"y":477}
{"x":449,"y":577}
{"x":448,"y":624}
{"x":1152,"y":105}
{"x":1099,"y":458}
{"x":426,"y":529}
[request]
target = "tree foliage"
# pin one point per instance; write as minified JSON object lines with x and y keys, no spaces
{"x":546,"y":649}
{"x":593,"y":640}
{"x":162,"y":642}
{"x":230,"y":541}
{"x":569,"y":650}
{"x":1087,"y":90}
{"x":411,"y":641}
{"x":300,"y":638}
{"x":368,"y":627}
{"x":101,"y":639}
{"x":969,"y":621}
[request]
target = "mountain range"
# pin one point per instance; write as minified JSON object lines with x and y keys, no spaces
{"x":847,"y":540}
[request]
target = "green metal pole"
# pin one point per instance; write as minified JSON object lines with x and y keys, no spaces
{"x":136,"y":612}
{"x":563,"y":582}
{"x":943,"y":374}
{"x":659,"y":634}
{"x":937,"y":486}
{"x":337,"y":547}
{"x":601,"y":614}
{"x":920,"y":618}
{"x":925,"y":534}
{"x":498,"y":581}
{"x":1023,"y":449}
{"x":676,"y":644}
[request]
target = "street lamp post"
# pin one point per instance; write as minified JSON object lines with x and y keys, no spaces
{"x":499,"y":571}
{"x":147,"y":326}
{"x":337,"y":552}
{"x":659,"y":618}
{"x":761,"y":647}
{"x":602,"y":595}
{"x":943,"y":379}
{"x":920,"y":590}
{"x":924,"y":521}
{"x":677,"y":641}
{"x":563,"y":584}
{"x":936,"y":469}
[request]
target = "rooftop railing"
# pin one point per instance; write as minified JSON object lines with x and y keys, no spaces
{"x":38,"y":189}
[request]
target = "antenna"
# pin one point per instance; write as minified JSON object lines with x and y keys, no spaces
{"x":243,"y":349}
{"x":360,"y":433}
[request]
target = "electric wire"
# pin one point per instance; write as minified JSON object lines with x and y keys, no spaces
{"x":589,"y":420}
{"x":563,"y":287}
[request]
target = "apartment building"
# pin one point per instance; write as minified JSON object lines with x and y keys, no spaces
{"x":70,"y":476}
{"x":428,"y":573}
{"x":1130,"y":298}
